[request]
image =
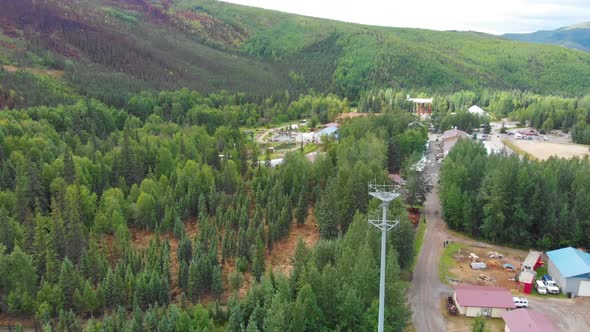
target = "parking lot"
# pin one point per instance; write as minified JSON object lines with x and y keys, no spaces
{"x":566,"y":314}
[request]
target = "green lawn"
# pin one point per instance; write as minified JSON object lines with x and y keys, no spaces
{"x":309,"y":148}
{"x":285,"y":146}
{"x":419,"y":241}
{"x":447,"y":260}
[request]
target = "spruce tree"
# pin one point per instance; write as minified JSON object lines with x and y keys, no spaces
{"x":217,"y":282}
{"x":69,"y":168}
{"x":325,"y":213}
{"x":258,"y":263}
{"x":183,"y":275}
{"x":301,"y":211}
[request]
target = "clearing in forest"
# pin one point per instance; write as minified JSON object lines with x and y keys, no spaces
{"x":52,"y":73}
{"x":545,"y":150}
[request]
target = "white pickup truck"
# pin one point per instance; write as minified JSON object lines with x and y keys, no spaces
{"x":540,"y":286}
{"x":551,"y":286}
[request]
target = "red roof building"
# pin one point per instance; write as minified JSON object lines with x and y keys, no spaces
{"x":525,"y":320}
{"x":451,"y":137}
{"x":526,"y":278}
{"x":486,"y":301}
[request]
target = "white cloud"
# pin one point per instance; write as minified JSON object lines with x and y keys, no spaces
{"x":492,"y":16}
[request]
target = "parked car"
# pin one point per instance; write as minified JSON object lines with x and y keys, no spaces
{"x":540,"y":287}
{"x":451,"y":306}
{"x":550,"y":284}
{"x":520,"y":302}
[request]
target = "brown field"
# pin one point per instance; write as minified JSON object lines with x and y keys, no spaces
{"x":545,"y":150}
{"x":494,"y":275}
{"x":48,"y":72}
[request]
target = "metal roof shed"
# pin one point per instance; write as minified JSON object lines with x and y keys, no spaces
{"x":525,"y":320}
{"x":532,"y":260}
{"x":570,"y":268}
{"x":486,"y":301}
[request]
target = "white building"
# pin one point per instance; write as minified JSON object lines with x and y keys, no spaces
{"x":476,"y":110}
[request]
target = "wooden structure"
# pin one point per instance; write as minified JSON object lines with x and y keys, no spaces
{"x":422,"y":106}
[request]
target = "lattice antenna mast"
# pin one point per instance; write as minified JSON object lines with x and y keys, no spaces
{"x":386,"y":194}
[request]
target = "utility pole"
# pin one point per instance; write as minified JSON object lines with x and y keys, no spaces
{"x":386,"y":194}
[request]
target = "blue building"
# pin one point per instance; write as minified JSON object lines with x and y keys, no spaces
{"x":570,"y":268}
{"x":329,"y":131}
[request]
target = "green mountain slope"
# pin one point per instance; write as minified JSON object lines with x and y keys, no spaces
{"x":108,"y":48}
{"x":575,"y":36}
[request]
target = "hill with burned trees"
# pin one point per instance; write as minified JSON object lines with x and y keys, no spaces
{"x":109,"y":48}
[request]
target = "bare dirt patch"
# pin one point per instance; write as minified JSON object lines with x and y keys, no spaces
{"x":494,"y":275}
{"x":9,"y":323}
{"x":280,"y":257}
{"x":142,"y":238}
{"x":48,"y":72}
{"x":545,"y":150}
{"x":278,"y":260}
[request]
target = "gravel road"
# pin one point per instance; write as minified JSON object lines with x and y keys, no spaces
{"x":426,"y":290}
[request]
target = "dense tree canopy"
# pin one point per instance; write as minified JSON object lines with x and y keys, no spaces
{"x":516,"y":201}
{"x":145,"y":209}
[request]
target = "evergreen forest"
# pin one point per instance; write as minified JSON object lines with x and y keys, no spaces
{"x":134,"y":195}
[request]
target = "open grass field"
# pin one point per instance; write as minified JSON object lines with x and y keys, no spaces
{"x":545,"y":150}
{"x":419,"y":241}
{"x":462,"y":323}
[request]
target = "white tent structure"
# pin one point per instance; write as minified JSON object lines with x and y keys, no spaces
{"x":477,"y":110}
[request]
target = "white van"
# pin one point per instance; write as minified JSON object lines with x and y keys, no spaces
{"x":540,"y":286}
{"x":520,"y":302}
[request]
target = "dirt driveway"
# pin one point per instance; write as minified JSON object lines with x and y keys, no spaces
{"x":427,"y":290}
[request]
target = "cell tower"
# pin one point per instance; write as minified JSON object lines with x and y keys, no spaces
{"x":386,"y":194}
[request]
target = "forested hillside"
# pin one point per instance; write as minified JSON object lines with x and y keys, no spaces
{"x":107,"y":49}
{"x":134,"y":195}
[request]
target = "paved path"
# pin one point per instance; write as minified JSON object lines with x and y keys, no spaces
{"x":427,"y":290}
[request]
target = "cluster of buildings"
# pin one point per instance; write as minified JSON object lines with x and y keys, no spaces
{"x":330,"y":129}
{"x":497,"y":302}
{"x":568,"y":267}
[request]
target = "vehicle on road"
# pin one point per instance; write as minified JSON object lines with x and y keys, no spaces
{"x":520,"y":302}
{"x":451,"y":305}
{"x":550,"y":284}
{"x":540,"y":287}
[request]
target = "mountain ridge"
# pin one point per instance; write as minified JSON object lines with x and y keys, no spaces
{"x":109,"y":48}
{"x":576,"y":36}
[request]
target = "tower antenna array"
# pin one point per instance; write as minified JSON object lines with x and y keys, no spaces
{"x":386,"y":194}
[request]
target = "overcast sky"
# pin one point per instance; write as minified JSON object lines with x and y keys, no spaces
{"x":491,"y":16}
